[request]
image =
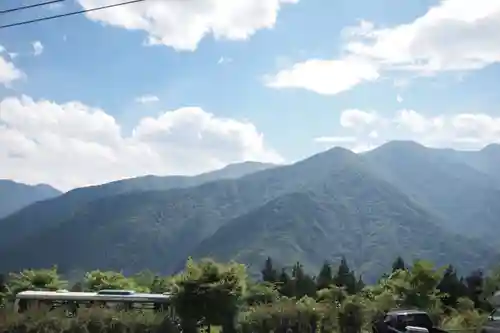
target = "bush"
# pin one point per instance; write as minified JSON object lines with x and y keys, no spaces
{"x":87,"y":321}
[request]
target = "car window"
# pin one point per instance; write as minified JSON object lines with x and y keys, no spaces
{"x":496,"y":315}
{"x":419,"y":320}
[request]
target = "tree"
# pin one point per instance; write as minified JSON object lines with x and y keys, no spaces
{"x":211,"y":292}
{"x":398,"y":264}
{"x":474,"y":282}
{"x":304,"y":284}
{"x":325,"y":276}
{"x":360,"y":284}
{"x":451,"y":287}
{"x":345,"y":277}
{"x":269,"y":274}
{"x":286,"y":286}
{"x":3,"y":289}
{"x":491,"y":285}
{"x":41,"y":279}
{"x":261,"y":293}
{"x":99,"y":280}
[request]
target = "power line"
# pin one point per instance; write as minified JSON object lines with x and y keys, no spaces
{"x":47,"y":18}
{"x":5,"y":11}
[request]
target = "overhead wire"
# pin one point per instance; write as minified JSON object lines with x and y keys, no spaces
{"x":11,"y":10}
{"x":53,"y":17}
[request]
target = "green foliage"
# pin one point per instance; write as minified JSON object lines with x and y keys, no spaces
{"x":88,"y":321}
{"x":269,"y":273}
{"x":261,"y":293}
{"x":211,"y":292}
{"x":216,"y":294}
{"x":398,"y":264}
{"x":99,"y":280}
{"x":345,"y":278}
{"x":325,"y":276}
{"x":30,"y":279}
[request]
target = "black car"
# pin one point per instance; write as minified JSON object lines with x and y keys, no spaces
{"x":493,"y":323}
{"x":397,"y":321}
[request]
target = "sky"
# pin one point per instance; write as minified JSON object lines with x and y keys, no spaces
{"x":185,"y":86}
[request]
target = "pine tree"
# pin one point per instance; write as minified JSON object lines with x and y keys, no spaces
{"x":398,"y":264}
{"x":286,"y":284}
{"x":451,"y":286}
{"x":325,"y":276}
{"x":360,"y":284}
{"x":303,"y":283}
{"x":474,"y":282}
{"x":269,"y":274}
{"x":345,"y":278}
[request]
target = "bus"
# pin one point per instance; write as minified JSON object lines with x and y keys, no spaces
{"x":110,"y":299}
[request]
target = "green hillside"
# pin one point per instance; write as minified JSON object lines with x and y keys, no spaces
{"x":15,"y":196}
{"x":52,"y":213}
{"x":459,"y":187}
{"x":331,"y":204}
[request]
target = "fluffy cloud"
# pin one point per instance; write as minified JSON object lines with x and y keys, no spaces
{"x":367,"y":129}
{"x":37,"y":48}
{"x":72,"y":144}
{"x":327,"y":77}
{"x":455,"y":35}
{"x":146,"y":99}
{"x":183,"y":24}
{"x":8,"y":72}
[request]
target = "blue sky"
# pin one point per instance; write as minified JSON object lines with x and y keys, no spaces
{"x":264,"y":80}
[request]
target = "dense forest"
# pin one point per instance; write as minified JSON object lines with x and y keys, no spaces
{"x":222,"y":296}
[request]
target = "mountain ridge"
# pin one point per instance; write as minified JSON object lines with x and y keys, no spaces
{"x":15,"y":195}
{"x":334,"y":201}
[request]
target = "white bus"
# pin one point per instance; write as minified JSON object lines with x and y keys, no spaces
{"x":112,"y":299}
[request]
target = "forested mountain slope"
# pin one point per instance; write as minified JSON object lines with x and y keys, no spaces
{"x":50,"y":213}
{"x":15,"y":196}
{"x":331,"y":204}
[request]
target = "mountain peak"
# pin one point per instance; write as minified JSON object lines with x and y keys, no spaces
{"x":402,"y":145}
{"x":492,"y":147}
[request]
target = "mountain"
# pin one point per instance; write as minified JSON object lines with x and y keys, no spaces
{"x":461,"y":187}
{"x":310,"y":228}
{"x":42,"y":215}
{"x":331,"y":204}
{"x":14,"y":196}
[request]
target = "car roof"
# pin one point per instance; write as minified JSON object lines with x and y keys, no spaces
{"x":404,"y":312}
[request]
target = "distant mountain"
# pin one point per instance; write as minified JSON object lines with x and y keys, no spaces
{"x":14,"y":196}
{"x":369,"y":226}
{"x":41,"y":215}
{"x":461,"y":187}
{"x":331,"y":204}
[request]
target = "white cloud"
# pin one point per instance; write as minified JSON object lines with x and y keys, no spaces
{"x":455,"y":35}
{"x":8,"y":72}
{"x":2,"y":49}
{"x":72,"y":144}
{"x":183,"y":24}
{"x":336,"y":139}
{"x":55,"y":6}
{"x":37,"y":48}
{"x":145,"y":99}
{"x":354,"y":118}
{"x":326,"y":77}
{"x":399,"y":99}
{"x":463,"y":131}
{"x":224,"y":60}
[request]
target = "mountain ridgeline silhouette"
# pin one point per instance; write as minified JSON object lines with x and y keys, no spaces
{"x":401,"y":198}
